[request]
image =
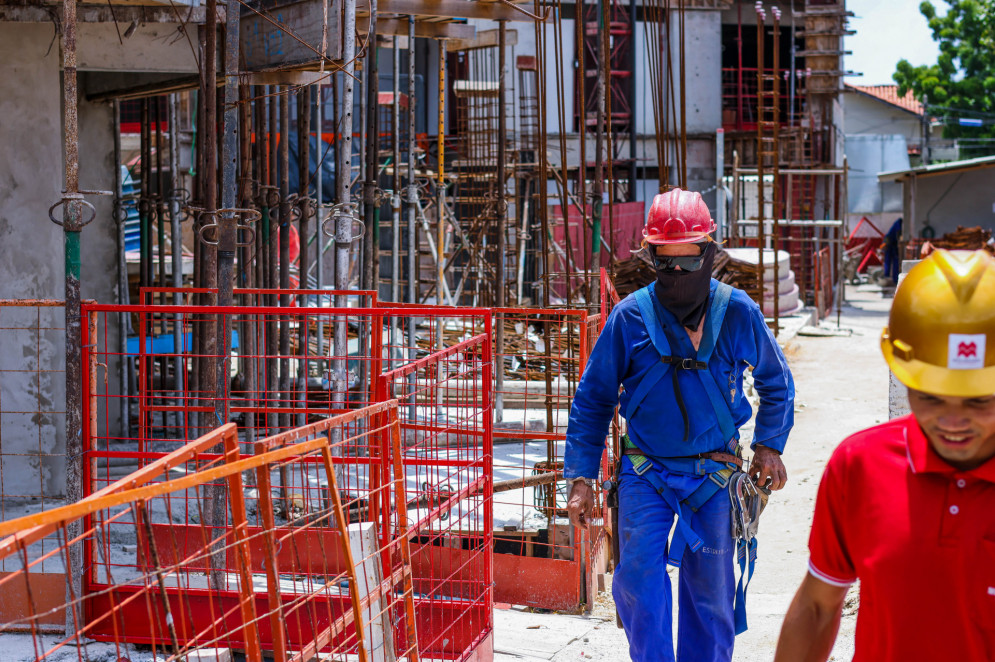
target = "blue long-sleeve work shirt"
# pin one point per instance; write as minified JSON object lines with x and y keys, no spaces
{"x":624,"y":354}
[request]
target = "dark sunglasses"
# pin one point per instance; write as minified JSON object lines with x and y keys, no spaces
{"x":685,"y":262}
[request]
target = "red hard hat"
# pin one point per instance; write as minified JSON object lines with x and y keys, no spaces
{"x":678,"y":217}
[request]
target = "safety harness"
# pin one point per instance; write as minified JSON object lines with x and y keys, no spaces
{"x":723,"y":469}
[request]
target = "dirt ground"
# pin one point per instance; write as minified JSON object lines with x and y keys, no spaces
{"x":842,"y":387}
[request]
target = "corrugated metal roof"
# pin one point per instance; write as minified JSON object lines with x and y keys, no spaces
{"x":938,"y":168}
{"x":889,"y":94}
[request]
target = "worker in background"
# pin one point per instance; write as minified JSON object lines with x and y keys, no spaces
{"x":908,"y":507}
{"x":890,"y":248}
{"x":678,"y":349}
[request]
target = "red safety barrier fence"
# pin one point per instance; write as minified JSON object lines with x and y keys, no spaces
{"x":288,"y":366}
{"x":33,"y":471}
{"x":297,"y":575}
{"x":445,"y":411}
{"x":539,"y":357}
{"x":541,"y":354}
{"x":166,"y":418}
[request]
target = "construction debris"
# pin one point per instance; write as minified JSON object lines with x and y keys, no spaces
{"x":638,"y":271}
{"x":965,"y":239}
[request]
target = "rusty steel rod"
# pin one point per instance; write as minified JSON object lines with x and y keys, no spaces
{"x":776,"y":167}
{"x":272,"y":259}
{"x":144,"y":204}
{"x":304,"y":205}
{"x":344,"y":215}
{"x":285,"y":213}
{"x":599,"y":139}
{"x":761,"y":166}
{"x":395,"y":198}
{"x":372,"y":160}
{"x":412,"y":202}
{"x":123,"y":319}
{"x":502,"y":212}
{"x":179,"y":364}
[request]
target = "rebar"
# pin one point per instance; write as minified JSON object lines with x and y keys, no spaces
{"x":411,"y":199}
{"x":175,"y":197}
{"x":344,"y":219}
{"x":371,"y":208}
{"x":304,"y":205}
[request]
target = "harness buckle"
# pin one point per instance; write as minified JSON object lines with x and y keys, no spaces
{"x":643,"y":467}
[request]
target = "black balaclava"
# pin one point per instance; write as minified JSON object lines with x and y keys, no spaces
{"x":685,"y":293}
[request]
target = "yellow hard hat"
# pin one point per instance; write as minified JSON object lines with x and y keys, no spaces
{"x":941,"y":332}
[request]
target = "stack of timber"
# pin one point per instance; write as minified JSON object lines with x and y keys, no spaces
{"x":964,"y":239}
{"x":524,"y":354}
{"x":638,"y":271}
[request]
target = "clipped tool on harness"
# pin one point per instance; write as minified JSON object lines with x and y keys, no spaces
{"x":748,"y":500}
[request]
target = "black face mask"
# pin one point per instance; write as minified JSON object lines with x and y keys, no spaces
{"x":685,"y":293}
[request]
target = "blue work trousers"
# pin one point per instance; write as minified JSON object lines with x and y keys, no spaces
{"x":641,"y":587}
{"x":892,"y":263}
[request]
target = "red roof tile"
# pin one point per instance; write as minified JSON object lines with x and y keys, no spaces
{"x":889,"y":94}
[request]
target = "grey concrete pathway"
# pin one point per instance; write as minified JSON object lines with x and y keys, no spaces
{"x":842,"y":387}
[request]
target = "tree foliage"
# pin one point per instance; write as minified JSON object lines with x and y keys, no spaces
{"x":964,"y":74}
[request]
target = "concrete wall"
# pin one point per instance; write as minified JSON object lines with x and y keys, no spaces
{"x":864,"y":115}
{"x":32,"y":422}
{"x":32,"y":386}
{"x":31,"y":170}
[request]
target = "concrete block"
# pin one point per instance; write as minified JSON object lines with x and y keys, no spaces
{"x":210,"y":655}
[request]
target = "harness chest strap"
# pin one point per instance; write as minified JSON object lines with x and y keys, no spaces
{"x":684,"y":536}
{"x":652,"y":312}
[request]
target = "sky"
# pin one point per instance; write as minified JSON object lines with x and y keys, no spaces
{"x":887,"y":31}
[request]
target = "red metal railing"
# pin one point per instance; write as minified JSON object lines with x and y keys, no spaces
{"x":189,"y":583}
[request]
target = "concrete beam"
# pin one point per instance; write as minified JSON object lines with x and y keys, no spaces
{"x":123,"y":14}
{"x":451,"y":9}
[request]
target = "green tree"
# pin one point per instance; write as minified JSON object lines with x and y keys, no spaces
{"x":964,"y":74}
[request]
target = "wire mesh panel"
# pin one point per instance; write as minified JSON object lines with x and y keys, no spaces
{"x":288,"y":366}
{"x":362,"y":462}
{"x":540,"y":357}
{"x":128,"y":578}
{"x":299,"y":575}
{"x":32,"y":431}
{"x":297,"y":523}
{"x":445,"y":411}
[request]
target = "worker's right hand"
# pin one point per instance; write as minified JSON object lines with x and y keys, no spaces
{"x":580,"y":505}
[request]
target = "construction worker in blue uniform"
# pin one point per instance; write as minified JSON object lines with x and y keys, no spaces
{"x":678,"y":349}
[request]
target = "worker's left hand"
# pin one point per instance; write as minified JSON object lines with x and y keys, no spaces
{"x":767,"y":465}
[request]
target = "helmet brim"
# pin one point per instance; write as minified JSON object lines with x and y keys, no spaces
{"x":938,"y":380}
{"x":685,"y":238}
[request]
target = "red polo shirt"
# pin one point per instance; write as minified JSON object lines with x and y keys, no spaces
{"x":920,"y":537}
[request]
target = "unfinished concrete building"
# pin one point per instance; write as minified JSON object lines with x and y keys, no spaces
{"x":296,"y":296}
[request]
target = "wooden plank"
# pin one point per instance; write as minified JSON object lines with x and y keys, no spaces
{"x":399,"y":27}
{"x":483,"y":39}
{"x":495,"y":11}
{"x":379,"y":633}
{"x":123,"y":14}
{"x":296,"y":77}
{"x":290,"y":35}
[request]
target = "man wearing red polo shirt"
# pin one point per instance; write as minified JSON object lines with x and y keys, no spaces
{"x":908,"y":507}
